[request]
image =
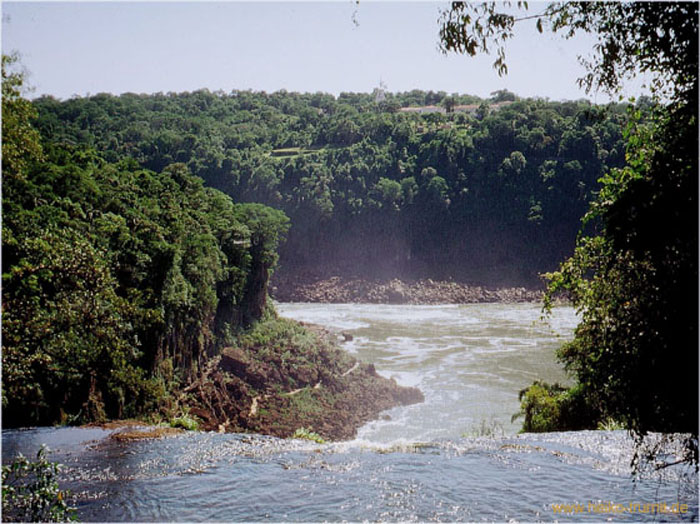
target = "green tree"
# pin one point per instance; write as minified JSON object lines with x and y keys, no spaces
{"x":267,"y":229}
{"x":635,"y":353}
{"x":257,"y":147}
{"x":388,"y":193}
{"x":437,"y":191}
{"x":514,"y":164}
{"x":503,"y":95}
{"x":20,"y":140}
{"x":449,"y":104}
{"x":113,"y":273}
{"x":633,"y":38}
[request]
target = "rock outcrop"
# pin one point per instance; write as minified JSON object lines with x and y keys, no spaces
{"x":278,"y":389}
{"x":395,"y":291}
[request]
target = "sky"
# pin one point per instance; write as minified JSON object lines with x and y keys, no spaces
{"x":82,"y":48}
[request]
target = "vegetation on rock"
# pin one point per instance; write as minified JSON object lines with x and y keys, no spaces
{"x":281,"y":375}
{"x":307,"y":434}
{"x":185,"y":422}
{"x":118,"y":282}
{"x":130,"y":286}
{"x":129,"y":292}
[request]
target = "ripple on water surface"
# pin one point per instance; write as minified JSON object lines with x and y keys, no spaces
{"x":469,"y":361}
{"x":212,"y":477}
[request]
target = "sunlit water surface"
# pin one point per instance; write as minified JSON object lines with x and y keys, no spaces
{"x":470,"y":361}
{"x":423,"y":463}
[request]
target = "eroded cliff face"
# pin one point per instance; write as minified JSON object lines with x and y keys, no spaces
{"x":284,"y":376}
{"x":236,"y":298}
{"x":256,"y":289}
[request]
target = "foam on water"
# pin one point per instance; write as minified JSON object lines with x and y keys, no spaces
{"x":213,"y":477}
{"x":470,"y":361}
{"x":454,"y":457}
{"x":336,"y":317}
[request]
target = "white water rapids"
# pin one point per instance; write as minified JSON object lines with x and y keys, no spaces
{"x":441,"y":460}
{"x":470,"y":361}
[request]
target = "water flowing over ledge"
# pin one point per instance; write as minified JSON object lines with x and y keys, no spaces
{"x":229,"y":477}
{"x":454,"y":457}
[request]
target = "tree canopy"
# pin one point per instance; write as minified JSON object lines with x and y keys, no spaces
{"x":632,"y":38}
{"x":635,"y":353}
{"x":114,"y":276}
{"x":377,"y":189}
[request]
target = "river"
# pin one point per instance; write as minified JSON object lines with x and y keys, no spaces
{"x":455,"y":457}
{"x":470,"y":361}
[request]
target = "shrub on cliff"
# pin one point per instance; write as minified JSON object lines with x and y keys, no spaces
{"x":552,"y":407}
{"x":307,"y":434}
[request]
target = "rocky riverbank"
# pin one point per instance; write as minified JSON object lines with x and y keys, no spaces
{"x":394,"y":291}
{"x":284,"y":376}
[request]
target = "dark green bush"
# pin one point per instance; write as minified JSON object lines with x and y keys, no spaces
{"x":552,"y":407}
{"x":109,"y":270}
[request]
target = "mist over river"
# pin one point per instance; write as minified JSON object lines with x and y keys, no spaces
{"x":455,"y":457}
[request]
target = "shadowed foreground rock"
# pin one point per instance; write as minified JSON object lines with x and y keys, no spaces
{"x":277,"y":390}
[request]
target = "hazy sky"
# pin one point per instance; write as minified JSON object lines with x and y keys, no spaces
{"x":146,"y":47}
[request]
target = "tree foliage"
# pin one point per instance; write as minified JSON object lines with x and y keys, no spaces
{"x":111,"y":270}
{"x":332,"y":164}
{"x":632,"y":38}
{"x":30,"y":491}
{"x":22,"y":139}
{"x":635,"y":353}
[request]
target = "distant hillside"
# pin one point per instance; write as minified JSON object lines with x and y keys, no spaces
{"x":485,"y":191}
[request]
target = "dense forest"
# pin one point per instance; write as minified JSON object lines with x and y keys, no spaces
{"x":137,"y":292}
{"x":415,"y":185}
{"x":140,"y":231}
{"x":115,"y":275}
